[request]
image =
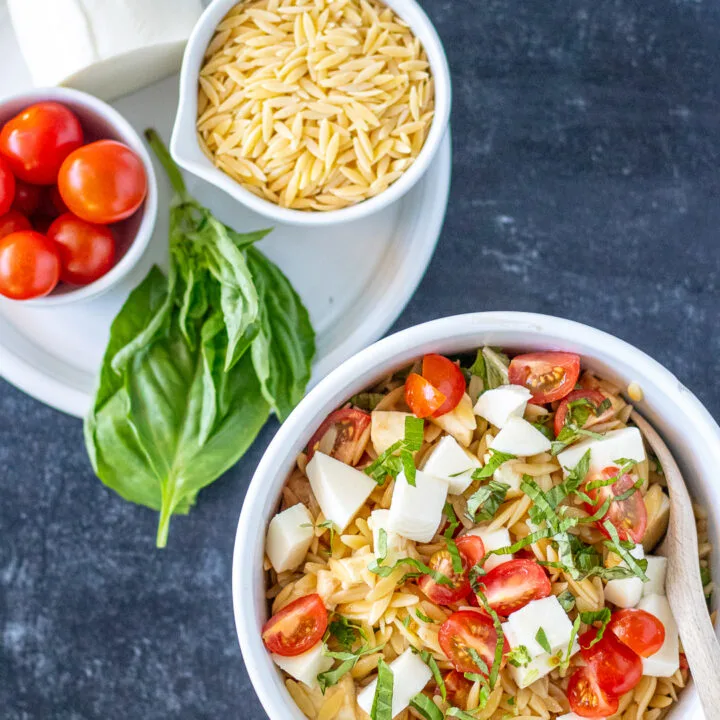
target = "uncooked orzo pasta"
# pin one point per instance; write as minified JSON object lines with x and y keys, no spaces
{"x":314,"y":104}
{"x":473,"y":538}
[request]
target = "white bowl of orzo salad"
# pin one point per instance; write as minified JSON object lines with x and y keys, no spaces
{"x":461,"y":522}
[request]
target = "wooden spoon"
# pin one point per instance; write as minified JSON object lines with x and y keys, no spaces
{"x":683,"y":584}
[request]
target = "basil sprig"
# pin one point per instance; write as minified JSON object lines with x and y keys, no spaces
{"x":399,"y":456}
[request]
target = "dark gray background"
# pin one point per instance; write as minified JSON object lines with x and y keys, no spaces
{"x":586,"y":149}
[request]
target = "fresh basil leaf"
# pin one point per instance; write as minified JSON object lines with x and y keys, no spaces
{"x":565,"y":662}
{"x":566,"y":600}
{"x":382,"y":702}
{"x":422,"y":616}
{"x":601,"y":616}
{"x":456,"y":712}
{"x":414,"y":433}
{"x":496,"y":368}
{"x":497,"y":458}
{"x":381,"y":551}
{"x":426,"y":707}
{"x":478,"y":367}
{"x":500,"y":643}
{"x":480,"y":664}
{"x":348,"y":662}
{"x":430,"y":661}
{"x":485,"y":501}
{"x":345,"y":632}
{"x":542,"y":640}
{"x":519,"y":656}
{"x":367,"y":401}
{"x":637,"y":567}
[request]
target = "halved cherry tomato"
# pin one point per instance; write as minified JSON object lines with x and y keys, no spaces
{"x":447,"y":377}
{"x":469,"y":629}
{"x":629,"y":516}
{"x":29,"y":265}
{"x":683,"y":662}
{"x":549,"y":376}
{"x":27,"y":197}
{"x":587,"y":699}
{"x":344,"y":435}
{"x":639,"y":630}
{"x":13,"y":222}
{"x":422,"y":397}
{"x":297,"y":627}
{"x":472,"y":548}
{"x":618,"y":669}
{"x":458,"y":689}
{"x":37,"y":141}
{"x":512,"y":585}
{"x":595,"y":397}
{"x":445,"y":594}
{"x":103,"y":182}
{"x":7,"y":187}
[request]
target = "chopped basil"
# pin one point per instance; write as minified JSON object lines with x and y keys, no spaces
{"x":377,"y":568}
{"x":422,"y":616}
{"x":497,"y":458}
{"x":345,"y":632}
{"x":499,"y":645}
{"x":519,"y":656}
{"x":491,"y":366}
{"x":426,"y":707}
{"x":389,"y":463}
{"x":406,"y":621}
{"x":430,"y":661}
{"x":348,"y":661}
{"x":544,"y":429}
{"x":601,"y":616}
{"x":366,"y":401}
{"x":569,"y":435}
{"x":452,"y":547}
{"x":573,"y":634}
{"x":382,"y":702}
{"x":578,"y":413}
{"x":485,"y":501}
{"x":542,"y":641}
{"x":566,"y":600}
{"x":638,"y":567}
{"x":480,"y":664}
{"x":458,"y":713}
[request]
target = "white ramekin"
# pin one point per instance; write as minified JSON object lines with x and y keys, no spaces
{"x":187,"y":153}
{"x":100,"y":121}
{"x":685,"y":424}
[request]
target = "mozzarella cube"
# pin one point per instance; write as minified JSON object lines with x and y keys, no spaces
{"x":656,"y":571}
{"x":507,"y":474}
{"x":615,"y":445}
{"x":626,"y":593}
{"x":380,"y":520}
{"x":305,"y":667}
{"x":519,"y":437}
{"x":289,"y":536}
{"x":339,"y":489}
{"x":415,"y":512}
{"x":460,"y":422}
{"x":386,"y":428}
{"x":666,"y":661}
{"x":453,"y":464}
{"x":547,"y":614}
{"x":493,"y":540}
{"x":506,"y":401}
{"x":410,"y":676}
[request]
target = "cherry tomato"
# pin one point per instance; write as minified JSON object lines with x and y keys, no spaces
{"x":512,"y":585}
{"x":446,"y":377}
{"x":639,"y":630}
{"x":344,"y":435}
{"x":472,"y":548}
{"x":593,"y":396}
{"x":13,"y":222}
{"x":618,"y":669}
{"x":629,"y":516}
{"x":297,"y":627}
{"x":469,"y":629}
{"x":87,"y":251}
{"x":37,"y":140}
{"x":27,"y":197}
{"x":458,"y":689}
{"x":549,"y":376}
{"x":8,"y":187}
{"x":683,"y":662}
{"x":445,"y":594}
{"x":103,"y":182}
{"x":587,"y":699}
{"x":29,"y":265}
{"x":421,"y":396}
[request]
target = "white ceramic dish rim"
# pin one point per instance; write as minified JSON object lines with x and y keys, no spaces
{"x":130,"y":137}
{"x":186,"y":151}
{"x":601,"y":351}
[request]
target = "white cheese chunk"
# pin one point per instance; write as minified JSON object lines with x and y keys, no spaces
{"x":460,"y":423}
{"x":307,"y":666}
{"x":519,"y":437}
{"x":666,"y":661}
{"x":386,"y":428}
{"x":380,"y":520}
{"x":492,"y":540}
{"x":289,"y":536}
{"x":615,"y":445}
{"x":339,"y":489}
{"x":107,"y":48}
{"x":547,"y":614}
{"x":656,"y":571}
{"x":453,"y":464}
{"x":626,"y":593}
{"x":415,"y":512}
{"x":506,"y":401}
{"x":410,"y":676}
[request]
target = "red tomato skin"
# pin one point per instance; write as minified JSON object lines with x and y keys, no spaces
{"x":352,"y":435}
{"x":472,"y":548}
{"x":560,"y":370}
{"x":27,"y":197}
{"x":469,"y":628}
{"x":616,"y":667}
{"x":36,"y":141}
{"x":639,"y":630}
{"x":8,"y":187}
{"x":595,"y":397}
{"x":587,"y":699}
{"x":103,"y":182}
{"x":13,"y":221}
{"x":447,"y":377}
{"x":458,"y":689}
{"x":29,"y":265}
{"x":512,"y":585}
{"x":306,"y":617}
{"x":443,"y":594}
{"x":421,"y":396}
{"x":87,"y":251}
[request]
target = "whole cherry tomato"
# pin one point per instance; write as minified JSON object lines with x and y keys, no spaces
{"x":7,"y":187}
{"x":29,"y":265}
{"x":13,"y":222}
{"x":27,"y":197}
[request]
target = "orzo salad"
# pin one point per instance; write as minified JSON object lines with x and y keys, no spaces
{"x":473,"y":538}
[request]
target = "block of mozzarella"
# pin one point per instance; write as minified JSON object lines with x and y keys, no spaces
{"x":339,"y":489}
{"x":614,"y":445}
{"x":380,"y":520}
{"x":666,"y":661}
{"x":493,"y":540}
{"x":289,"y":536}
{"x":460,"y":422}
{"x":506,"y":473}
{"x":547,"y":614}
{"x":506,"y":401}
{"x":105,"y":48}
{"x":519,"y":437}
{"x":410,"y":676}
{"x":307,"y":666}
{"x":453,"y":464}
{"x":386,"y":428}
{"x":656,"y":571}
{"x":416,"y":511}
{"x":626,"y":593}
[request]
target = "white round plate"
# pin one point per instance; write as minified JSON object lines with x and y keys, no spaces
{"x":354,"y":278}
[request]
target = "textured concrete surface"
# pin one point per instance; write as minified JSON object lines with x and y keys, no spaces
{"x":586,"y":185}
